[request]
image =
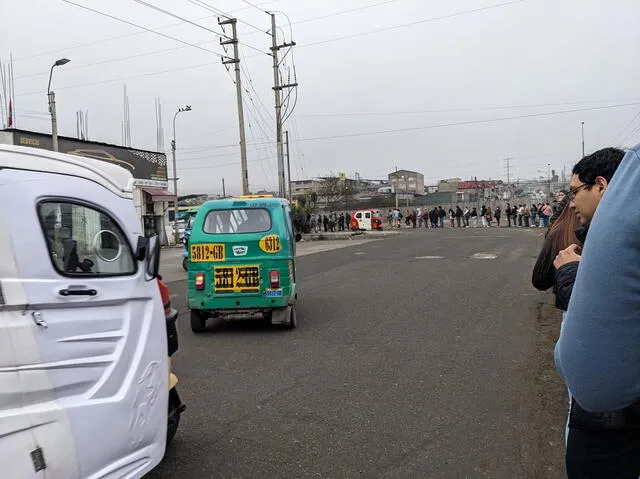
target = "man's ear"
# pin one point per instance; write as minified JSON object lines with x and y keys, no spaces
{"x":601,"y":184}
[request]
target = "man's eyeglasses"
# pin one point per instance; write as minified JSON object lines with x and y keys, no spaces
{"x":573,"y":191}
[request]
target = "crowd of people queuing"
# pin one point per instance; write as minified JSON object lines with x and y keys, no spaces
{"x":331,"y":222}
{"x":539,"y":215}
{"x":591,"y":259}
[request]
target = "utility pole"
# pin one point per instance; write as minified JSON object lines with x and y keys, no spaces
{"x":224,"y":193}
{"x":52,"y":104}
{"x":549,"y":181}
{"x":395,"y":187}
{"x":175,"y":173}
{"x":508,"y":170}
{"x":508,"y":177}
{"x":236,"y":61}
{"x":277,"y":88}
{"x":582,"y":125}
{"x":286,"y":134}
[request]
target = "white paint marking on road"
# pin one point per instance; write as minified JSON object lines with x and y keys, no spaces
{"x":359,"y":252}
{"x":484,"y":256}
{"x":429,"y":257}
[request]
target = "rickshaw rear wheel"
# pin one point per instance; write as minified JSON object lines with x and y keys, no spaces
{"x":184,"y":263}
{"x":293,"y":318}
{"x":198,"y":321}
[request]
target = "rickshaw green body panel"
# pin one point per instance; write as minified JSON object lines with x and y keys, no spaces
{"x":237,"y":245}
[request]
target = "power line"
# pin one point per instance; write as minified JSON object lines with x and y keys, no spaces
{"x":138,"y":55}
{"x":453,"y":110}
{"x":410,"y":24}
{"x":143,"y":28}
{"x":254,"y":6}
{"x":142,"y":75}
{"x":462,"y":123}
{"x":624,"y":129}
{"x":185,"y":20}
{"x":631,"y":134}
{"x":221,"y":56}
{"x":343,"y":12}
{"x":221,"y":35}
{"x":220,"y":165}
{"x":104,"y":40}
{"x":211,"y":8}
{"x":330,"y":40}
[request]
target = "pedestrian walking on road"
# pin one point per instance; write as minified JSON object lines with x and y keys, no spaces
{"x":497,"y":215}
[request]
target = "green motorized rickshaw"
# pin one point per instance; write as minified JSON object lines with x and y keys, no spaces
{"x":241,"y":262}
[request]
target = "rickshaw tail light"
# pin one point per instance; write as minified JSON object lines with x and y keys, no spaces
{"x":274,"y":279}
{"x":200,"y":281}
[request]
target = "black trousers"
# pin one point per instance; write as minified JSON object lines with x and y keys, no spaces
{"x":603,"y":445}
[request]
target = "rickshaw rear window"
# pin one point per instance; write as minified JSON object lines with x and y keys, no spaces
{"x":237,"y":220}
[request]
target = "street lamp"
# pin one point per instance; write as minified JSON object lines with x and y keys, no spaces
{"x":52,"y":103}
{"x":175,"y":173}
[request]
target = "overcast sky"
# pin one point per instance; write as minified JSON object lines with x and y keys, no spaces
{"x":437,"y":94}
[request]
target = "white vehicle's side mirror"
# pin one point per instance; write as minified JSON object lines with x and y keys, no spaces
{"x":148,"y":251}
{"x":152,"y":258}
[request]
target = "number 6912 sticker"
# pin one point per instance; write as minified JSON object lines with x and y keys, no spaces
{"x":270,"y":244}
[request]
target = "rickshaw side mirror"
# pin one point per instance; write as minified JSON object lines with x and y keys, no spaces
{"x":298,"y":237}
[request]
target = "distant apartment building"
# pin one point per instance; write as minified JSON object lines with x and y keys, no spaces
{"x":406,"y":181}
{"x":305,"y":187}
{"x":449,"y":185}
{"x":476,"y":190}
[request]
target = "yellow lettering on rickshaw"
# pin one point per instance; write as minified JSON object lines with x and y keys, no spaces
{"x":271,"y":244}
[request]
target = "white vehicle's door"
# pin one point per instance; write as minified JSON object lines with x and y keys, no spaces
{"x":367,"y":220}
{"x":360,"y":220}
{"x":17,"y":441}
{"x":90,"y":343}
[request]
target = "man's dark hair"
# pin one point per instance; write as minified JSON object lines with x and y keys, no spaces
{"x":601,"y":163}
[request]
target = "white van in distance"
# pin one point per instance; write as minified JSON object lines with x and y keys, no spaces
{"x":83,"y":347}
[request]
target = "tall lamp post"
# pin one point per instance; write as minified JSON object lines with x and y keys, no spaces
{"x":582,"y":126}
{"x":52,"y":103}
{"x":175,"y":172}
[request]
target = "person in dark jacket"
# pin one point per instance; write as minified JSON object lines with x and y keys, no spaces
{"x":563,"y":234}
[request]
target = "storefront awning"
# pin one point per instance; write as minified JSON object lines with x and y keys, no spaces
{"x":159,"y":194}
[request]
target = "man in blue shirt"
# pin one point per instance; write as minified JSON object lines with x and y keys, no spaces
{"x":598,"y":352}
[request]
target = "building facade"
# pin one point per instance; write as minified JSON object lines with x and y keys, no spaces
{"x":149,"y":169}
{"x":406,"y":181}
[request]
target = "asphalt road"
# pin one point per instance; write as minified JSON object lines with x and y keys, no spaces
{"x":412,"y":359}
